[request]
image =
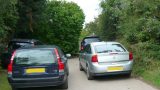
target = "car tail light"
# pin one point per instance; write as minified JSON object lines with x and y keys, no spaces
{"x":94,"y":58}
{"x":60,"y":63}
{"x":130,"y":56}
{"x":10,"y":66}
{"x":6,"y":49}
{"x":82,"y":48}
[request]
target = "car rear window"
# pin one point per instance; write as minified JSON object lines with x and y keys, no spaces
{"x":104,"y":48}
{"x":34,"y":57}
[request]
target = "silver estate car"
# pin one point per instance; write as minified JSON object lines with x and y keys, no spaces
{"x":105,"y":58}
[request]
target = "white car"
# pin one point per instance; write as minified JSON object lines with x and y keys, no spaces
{"x":105,"y":58}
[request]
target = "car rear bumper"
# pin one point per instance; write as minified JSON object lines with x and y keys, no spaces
{"x":42,"y":82}
{"x":37,"y":84}
{"x":102,"y":69}
{"x":111,"y":73}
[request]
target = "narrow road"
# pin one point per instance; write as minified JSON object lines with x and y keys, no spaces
{"x":78,"y":81}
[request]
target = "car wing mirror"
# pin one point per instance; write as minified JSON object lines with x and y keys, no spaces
{"x":68,"y":55}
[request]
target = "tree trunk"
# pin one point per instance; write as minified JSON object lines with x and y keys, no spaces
{"x":30,"y":21}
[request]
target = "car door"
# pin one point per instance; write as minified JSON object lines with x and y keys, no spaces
{"x":87,"y":55}
{"x":81,"y":56}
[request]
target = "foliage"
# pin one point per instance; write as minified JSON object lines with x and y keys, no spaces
{"x":8,"y":19}
{"x":53,"y":22}
{"x":134,"y":20}
{"x":3,"y":80}
{"x":30,"y":14}
{"x":62,"y":25}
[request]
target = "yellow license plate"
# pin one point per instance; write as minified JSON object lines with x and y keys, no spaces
{"x":35,"y":70}
{"x":116,"y":68}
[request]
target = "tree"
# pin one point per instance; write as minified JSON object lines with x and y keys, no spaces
{"x":135,"y":20}
{"x":30,"y":13}
{"x":53,"y":22}
{"x":62,"y":25}
{"x":8,"y":19}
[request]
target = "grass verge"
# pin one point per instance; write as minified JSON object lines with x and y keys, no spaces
{"x":149,"y":74}
{"x":146,"y":61}
{"x":152,"y":77}
{"x":4,"y":85}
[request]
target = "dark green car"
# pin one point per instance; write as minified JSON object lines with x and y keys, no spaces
{"x":39,"y":66}
{"x":13,"y":45}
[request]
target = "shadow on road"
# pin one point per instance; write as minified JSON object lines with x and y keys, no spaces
{"x":44,"y":88}
{"x":112,"y":78}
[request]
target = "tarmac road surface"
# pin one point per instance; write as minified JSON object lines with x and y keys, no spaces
{"x":78,"y":81}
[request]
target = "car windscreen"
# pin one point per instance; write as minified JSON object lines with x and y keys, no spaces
{"x":104,"y":48}
{"x":34,"y":57}
{"x":16,"y":45}
{"x":90,"y":40}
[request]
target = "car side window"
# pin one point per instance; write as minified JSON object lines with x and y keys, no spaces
{"x":13,"y":46}
{"x":88,"y":49}
{"x":82,"y":43}
{"x":61,"y":53}
{"x":38,"y":43}
{"x":85,"y":48}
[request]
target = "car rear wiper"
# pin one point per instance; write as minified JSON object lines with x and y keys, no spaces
{"x":105,"y":51}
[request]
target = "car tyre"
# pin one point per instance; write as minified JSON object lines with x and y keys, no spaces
{"x":67,"y":71}
{"x":80,"y":67}
{"x":65,"y":85}
{"x":128,"y":75}
{"x":89,"y":76}
{"x":13,"y":88}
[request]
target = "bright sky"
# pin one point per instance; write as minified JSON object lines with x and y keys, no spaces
{"x":90,"y":8}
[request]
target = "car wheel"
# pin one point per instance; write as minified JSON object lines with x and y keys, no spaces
{"x":80,"y":67}
{"x":89,"y":76}
{"x":128,"y":75}
{"x":13,"y":88}
{"x":67,"y":71}
{"x":65,"y":85}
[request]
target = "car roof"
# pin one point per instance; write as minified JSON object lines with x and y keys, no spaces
{"x":104,"y":42}
{"x":24,"y":40}
{"x":91,"y":37}
{"x":40,"y":47}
